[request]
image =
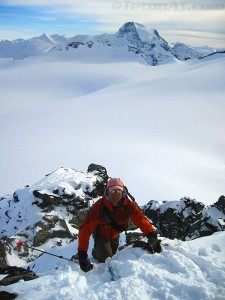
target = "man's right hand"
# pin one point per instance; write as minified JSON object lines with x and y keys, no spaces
{"x":84,"y":262}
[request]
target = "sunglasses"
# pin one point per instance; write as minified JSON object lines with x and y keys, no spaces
{"x":116,"y":191}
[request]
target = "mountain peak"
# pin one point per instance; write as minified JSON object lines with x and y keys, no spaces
{"x":132,"y":30}
{"x":45,"y":38}
{"x":130,"y":26}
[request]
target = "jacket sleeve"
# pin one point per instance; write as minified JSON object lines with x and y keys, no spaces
{"x":139,"y":219}
{"x":88,"y":226}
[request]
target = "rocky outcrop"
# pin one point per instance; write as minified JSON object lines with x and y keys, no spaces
{"x":2,"y":253}
{"x":7,"y":296}
{"x":51,"y":227}
{"x":220,"y":204}
{"x":185,"y":219}
{"x":75,"y":45}
{"x":15,"y":274}
{"x":72,"y":193}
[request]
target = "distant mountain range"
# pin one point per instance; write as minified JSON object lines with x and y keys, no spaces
{"x":132,"y":39}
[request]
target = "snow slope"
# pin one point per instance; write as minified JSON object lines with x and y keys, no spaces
{"x":184,"y":270}
{"x":161,"y":129}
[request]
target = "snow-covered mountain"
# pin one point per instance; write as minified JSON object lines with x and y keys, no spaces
{"x":21,"y":48}
{"x":133,"y":39}
{"x":47,"y":216}
{"x":184,"y":52}
{"x":146,"y":43}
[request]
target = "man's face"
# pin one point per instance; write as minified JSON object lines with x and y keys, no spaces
{"x":115,"y":196}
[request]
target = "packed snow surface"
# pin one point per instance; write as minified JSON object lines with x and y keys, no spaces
{"x":184,"y":270}
{"x":160,"y":129}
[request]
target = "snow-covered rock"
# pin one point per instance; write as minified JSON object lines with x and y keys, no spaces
{"x":49,"y":213}
{"x":185,"y":219}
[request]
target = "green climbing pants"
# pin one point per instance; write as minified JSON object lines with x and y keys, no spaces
{"x":104,"y":248}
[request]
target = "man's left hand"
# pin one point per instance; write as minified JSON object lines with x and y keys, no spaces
{"x":154,"y":243}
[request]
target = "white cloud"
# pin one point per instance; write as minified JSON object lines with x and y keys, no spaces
{"x":24,"y":33}
{"x":100,"y":7}
{"x":194,"y":38}
{"x":109,"y":15}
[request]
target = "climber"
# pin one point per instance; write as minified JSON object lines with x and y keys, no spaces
{"x":106,"y":219}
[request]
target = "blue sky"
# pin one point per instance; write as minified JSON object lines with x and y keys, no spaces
{"x":196,"y":22}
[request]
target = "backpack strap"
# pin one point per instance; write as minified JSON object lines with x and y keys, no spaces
{"x":112,"y":223}
{"x":104,"y":213}
{"x":129,"y":194}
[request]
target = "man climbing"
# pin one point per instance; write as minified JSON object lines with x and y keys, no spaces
{"x":106,"y":219}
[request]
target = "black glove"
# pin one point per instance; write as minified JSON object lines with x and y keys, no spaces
{"x":84,"y":262}
{"x":153,"y":242}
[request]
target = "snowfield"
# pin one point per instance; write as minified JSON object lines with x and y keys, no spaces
{"x":184,"y":270}
{"x":161,"y":129}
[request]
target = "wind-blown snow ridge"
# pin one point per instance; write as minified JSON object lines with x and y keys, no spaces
{"x":184,"y":270}
{"x":133,"y":38}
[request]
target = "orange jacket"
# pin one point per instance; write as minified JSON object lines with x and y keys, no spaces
{"x":96,"y":217}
